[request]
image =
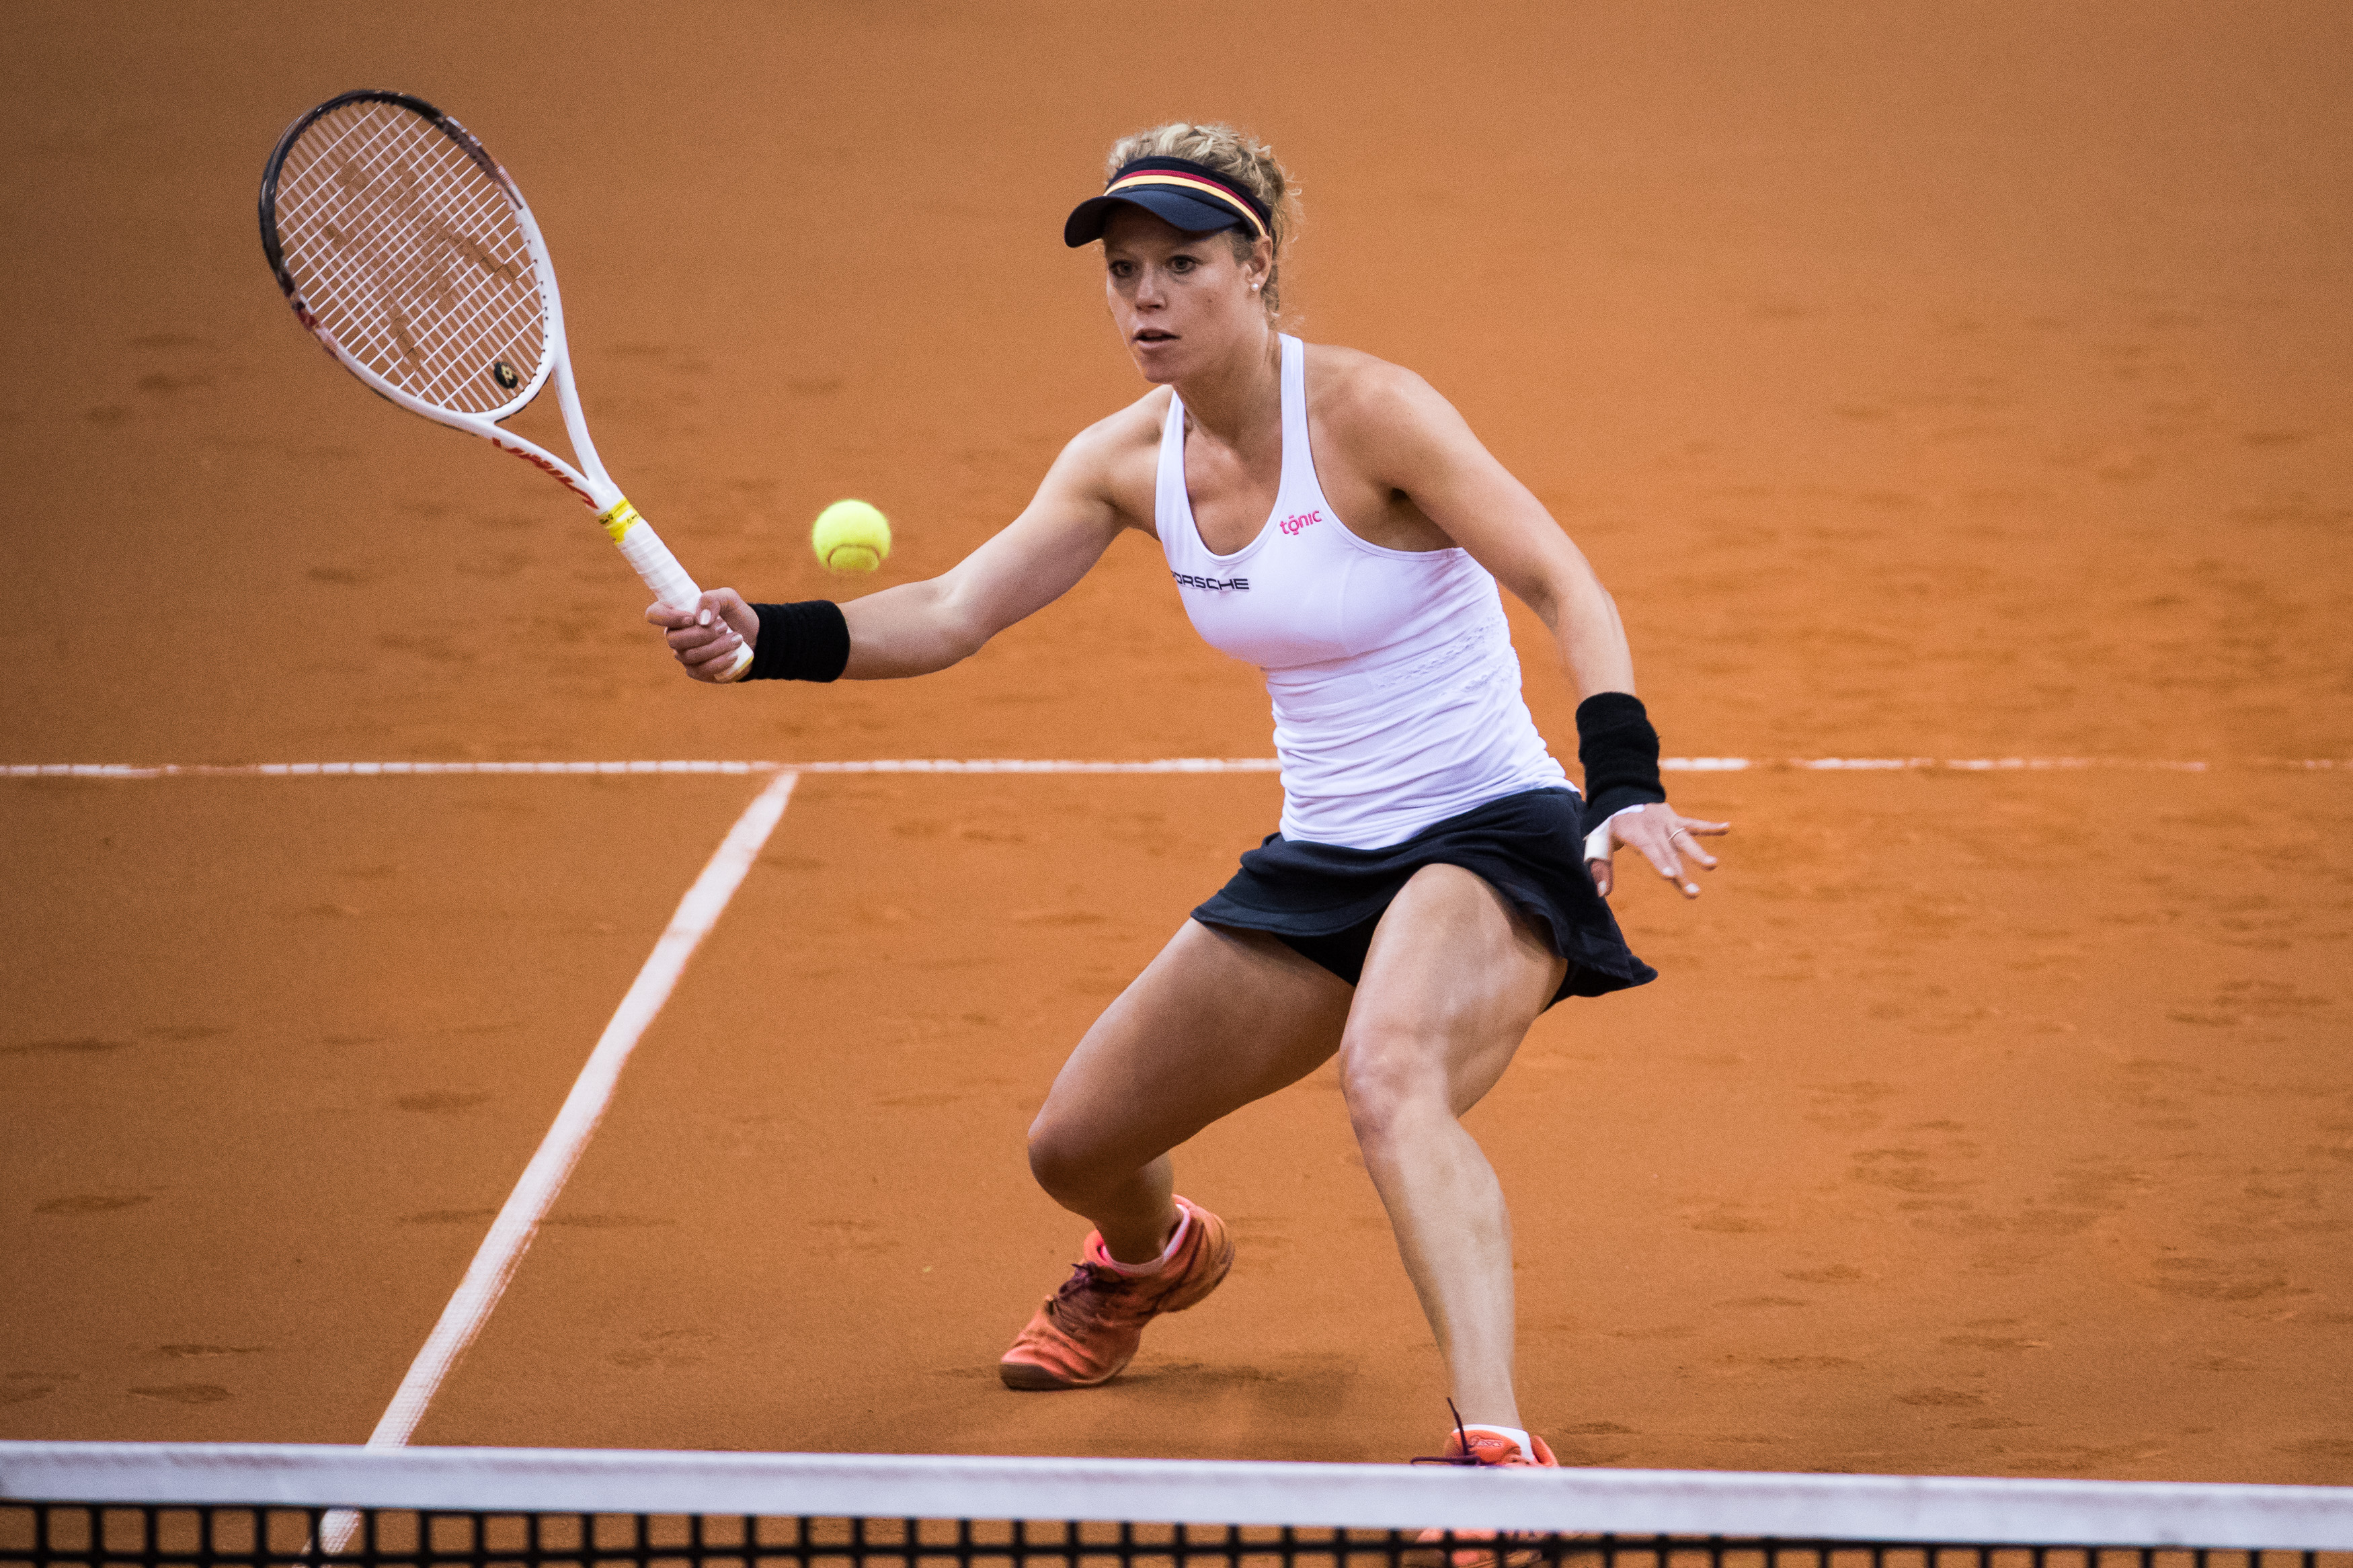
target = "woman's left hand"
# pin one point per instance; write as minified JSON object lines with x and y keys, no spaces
{"x":1659,"y":831}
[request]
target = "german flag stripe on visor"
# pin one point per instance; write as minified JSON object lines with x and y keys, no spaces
{"x":1192,"y":196}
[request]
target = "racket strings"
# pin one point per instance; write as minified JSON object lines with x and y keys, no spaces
{"x":403,"y":316}
{"x":409,"y":254}
{"x":407,"y":232}
{"x":414,"y":233}
{"x":350,"y":274}
{"x":359,"y":271}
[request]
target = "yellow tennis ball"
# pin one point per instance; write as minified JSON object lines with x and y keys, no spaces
{"x":851,"y":536}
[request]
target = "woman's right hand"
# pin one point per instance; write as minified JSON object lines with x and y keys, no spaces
{"x":705,"y":639}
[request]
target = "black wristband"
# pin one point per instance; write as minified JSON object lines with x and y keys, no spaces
{"x":1621,"y":754}
{"x":807,"y":641}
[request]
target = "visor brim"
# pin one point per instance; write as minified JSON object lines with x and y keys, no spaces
{"x":1085,"y":225}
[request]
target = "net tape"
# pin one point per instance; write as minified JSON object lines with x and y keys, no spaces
{"x":198,"y":1504}
{"x":408,"y":254}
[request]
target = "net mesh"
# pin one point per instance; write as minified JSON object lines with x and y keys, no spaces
{"x":50,"y":1535}
{"x":175,"y":1505}
{"x":409,"y":254}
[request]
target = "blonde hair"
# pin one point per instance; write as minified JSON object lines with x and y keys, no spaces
{"x":1241,"y":158}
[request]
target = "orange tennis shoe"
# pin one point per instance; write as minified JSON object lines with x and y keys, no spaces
{"x":1467,"y":1445}
{"x":1477,"y":1445}
{"x":1089,"y":1327}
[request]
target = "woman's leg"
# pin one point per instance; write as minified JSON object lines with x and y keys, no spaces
{"x":1454,"y":978}
{"x":1218,"y":1019}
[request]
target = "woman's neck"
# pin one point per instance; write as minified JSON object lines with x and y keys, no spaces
{"x":1240,"y":397}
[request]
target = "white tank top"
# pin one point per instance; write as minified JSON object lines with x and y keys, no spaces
{"x":1395,"y":691}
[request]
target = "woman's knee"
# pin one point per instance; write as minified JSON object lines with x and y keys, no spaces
{"x":1388,"y":1077}
{"x":1065,"y":1160}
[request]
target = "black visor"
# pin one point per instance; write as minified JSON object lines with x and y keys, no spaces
{"x":1191,"y":196}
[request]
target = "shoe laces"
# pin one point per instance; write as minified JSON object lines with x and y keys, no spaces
{"x":1079,"y":1301}
{"x":1461,"y":1436}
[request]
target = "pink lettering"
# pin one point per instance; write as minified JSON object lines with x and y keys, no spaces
{"x":1294,"y":523}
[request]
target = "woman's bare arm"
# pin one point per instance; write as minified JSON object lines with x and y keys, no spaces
{"x":1412,"y":440}
{"x":919,"y":627}
{"x":1041,"y":555}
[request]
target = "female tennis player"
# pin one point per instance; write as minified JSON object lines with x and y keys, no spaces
{"x":1431,"y":888}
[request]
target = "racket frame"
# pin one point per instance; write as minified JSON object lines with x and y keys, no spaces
{"x":588,"y":481}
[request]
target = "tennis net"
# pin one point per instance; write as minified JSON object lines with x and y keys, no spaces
{"x":163,"y":1505}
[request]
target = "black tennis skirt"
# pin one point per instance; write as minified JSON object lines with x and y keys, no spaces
{"x":1325,"y":900}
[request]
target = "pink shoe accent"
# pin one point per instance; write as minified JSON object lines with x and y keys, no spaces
{"x":1098,"y":1253}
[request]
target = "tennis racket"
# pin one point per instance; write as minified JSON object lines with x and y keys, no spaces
{"x":409,"y":253}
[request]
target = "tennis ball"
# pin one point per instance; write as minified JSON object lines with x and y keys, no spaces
{"x":851,"y":536}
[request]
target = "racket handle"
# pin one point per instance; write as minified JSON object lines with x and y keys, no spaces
{"x":642,"y":548}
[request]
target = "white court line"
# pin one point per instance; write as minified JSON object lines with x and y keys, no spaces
{"x":511,"y":1233}
{"x":437,"y":770}
{"x":1050,"y":765}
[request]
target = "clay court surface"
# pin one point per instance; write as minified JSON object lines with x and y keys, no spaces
{"x":1929,"y":381}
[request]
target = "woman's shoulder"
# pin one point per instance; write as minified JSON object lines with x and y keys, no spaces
{"x":1352,"y":393}
{"x":1116,"y":440}
{"x":1114,"y":459}
{"x":1138,"y":424}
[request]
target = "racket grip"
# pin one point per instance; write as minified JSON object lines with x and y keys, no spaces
{"x":643,"y":549}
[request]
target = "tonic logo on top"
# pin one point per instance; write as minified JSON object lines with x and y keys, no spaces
{"x":1294,"y":523}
